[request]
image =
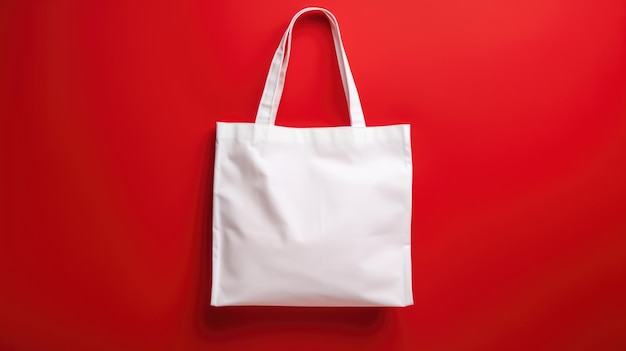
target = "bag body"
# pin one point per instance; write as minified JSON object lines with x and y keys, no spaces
{"x":311,"y":216}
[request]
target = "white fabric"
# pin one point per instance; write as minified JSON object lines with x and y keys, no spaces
{"x":311,"y":216}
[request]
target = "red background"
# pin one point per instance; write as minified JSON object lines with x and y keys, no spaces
{"x":107,"y":131}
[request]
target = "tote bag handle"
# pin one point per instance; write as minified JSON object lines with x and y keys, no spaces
{"x":275,"y":81}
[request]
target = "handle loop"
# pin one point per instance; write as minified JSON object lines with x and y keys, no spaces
{"x":275,"y":81}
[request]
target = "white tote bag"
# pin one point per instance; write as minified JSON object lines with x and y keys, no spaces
{"x":311,"y":216}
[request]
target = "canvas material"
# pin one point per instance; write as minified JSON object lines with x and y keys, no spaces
{"x":311,"y":216}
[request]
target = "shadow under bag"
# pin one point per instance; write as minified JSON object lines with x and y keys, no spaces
{"x":311,"y":216}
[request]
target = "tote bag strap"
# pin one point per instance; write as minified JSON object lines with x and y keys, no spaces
{"x":275,"y":81}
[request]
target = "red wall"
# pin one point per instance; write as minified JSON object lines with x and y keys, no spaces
{"x":107,"y":131}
